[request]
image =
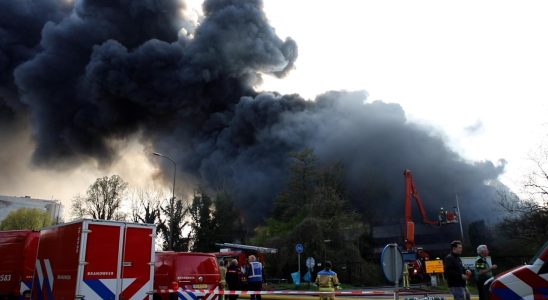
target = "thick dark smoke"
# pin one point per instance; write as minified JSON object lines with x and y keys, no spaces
{"x":20,"y":25}
{"x":69,"y":120}
{"x":112,"y":68}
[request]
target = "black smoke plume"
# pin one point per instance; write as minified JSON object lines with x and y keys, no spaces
{"x":21,"y":23}
{"x":112,"y":68}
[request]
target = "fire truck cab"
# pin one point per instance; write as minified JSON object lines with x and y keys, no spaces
{"x":177,"y":272}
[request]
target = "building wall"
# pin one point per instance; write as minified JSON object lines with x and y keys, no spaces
{"x":433,"y":239}
{"x":9,"y":204}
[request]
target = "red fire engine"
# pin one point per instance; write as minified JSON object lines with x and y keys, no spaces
{"x":241,"y":252}
{"x":17,"y":255}
{"x":176,"y":272}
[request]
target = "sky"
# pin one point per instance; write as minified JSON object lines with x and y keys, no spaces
{"x":473,"y":71}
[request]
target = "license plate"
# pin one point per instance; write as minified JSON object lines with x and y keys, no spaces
{"x":199,"y":286}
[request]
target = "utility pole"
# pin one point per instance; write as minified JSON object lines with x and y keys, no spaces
{"x":174,"y":171}
{"x":460,"y":218}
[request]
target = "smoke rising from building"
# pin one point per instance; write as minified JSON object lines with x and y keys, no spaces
{"x":105,"y":70}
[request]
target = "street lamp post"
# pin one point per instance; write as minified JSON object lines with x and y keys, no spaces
{"x":174,"y":170}
{"x":460,"y":217}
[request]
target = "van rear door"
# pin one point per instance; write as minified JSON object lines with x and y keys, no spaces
{"x":103,"y":254}
{"x":137,"y":262}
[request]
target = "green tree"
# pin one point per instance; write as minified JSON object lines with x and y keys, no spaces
{"x":103,"y":199}
{"x":329,"y":198}
{"x":313,"y":209}
{"x":204,"y":228}
{"x":171,"y":226}
{"x":289,"y":205}
{"x":227,"y":219}
{"x":26,"y":218}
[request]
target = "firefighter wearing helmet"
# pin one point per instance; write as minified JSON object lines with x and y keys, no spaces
{"x":327,"y":281}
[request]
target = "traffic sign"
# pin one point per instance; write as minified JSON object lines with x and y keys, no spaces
{"x":310,"y":262}
{"x":434,"y":266}
{"x":392,"y":263}
{"x":299,"y":248}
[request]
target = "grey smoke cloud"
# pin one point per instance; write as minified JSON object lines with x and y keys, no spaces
{"x":374,"y":141}
{"x":474,"y":128}
{"x":112,"y":68}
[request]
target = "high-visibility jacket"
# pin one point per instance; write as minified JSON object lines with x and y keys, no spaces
{"x":255,"y":272}
{"x":327,"y":279}
{"x":223,"y":271}
{"x":482,"y":264}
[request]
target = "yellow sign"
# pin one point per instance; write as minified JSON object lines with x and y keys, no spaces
{"x":434,"y":266}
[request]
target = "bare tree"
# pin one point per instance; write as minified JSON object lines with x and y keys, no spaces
{"x":103,"y":199}
{"x":78,"y":209}
{"x":145,"y":205}
{"x":527,"y":220}
{"x":536,"y":182}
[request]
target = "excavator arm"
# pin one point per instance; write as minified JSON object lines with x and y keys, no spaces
{"x":411,"y":192}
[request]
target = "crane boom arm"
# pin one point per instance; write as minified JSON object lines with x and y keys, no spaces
{"x":411,"y":192}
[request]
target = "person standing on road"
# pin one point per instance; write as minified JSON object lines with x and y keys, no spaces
{"x":455,"y":273}
{"x":222,"y":271}
{"x":254,"y":273}
{"x":483,"y":271}
{"x":327,"y":281}
{"x":233,"y":278}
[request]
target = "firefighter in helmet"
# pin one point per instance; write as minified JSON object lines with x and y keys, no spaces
{"x":327,"y":281}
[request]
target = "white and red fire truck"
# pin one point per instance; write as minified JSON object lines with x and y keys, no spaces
{"x":91,"y":259}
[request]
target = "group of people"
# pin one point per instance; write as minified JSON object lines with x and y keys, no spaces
{"x":234,"y":279}
{"x":457,"y":275}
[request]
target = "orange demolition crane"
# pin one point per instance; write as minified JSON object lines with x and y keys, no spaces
{"x":414,"y":256}
{"x":411,"y":192}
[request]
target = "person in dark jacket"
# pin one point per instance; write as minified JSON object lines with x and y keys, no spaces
{"x":234,"y":278}
{"x":455,"y":273}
